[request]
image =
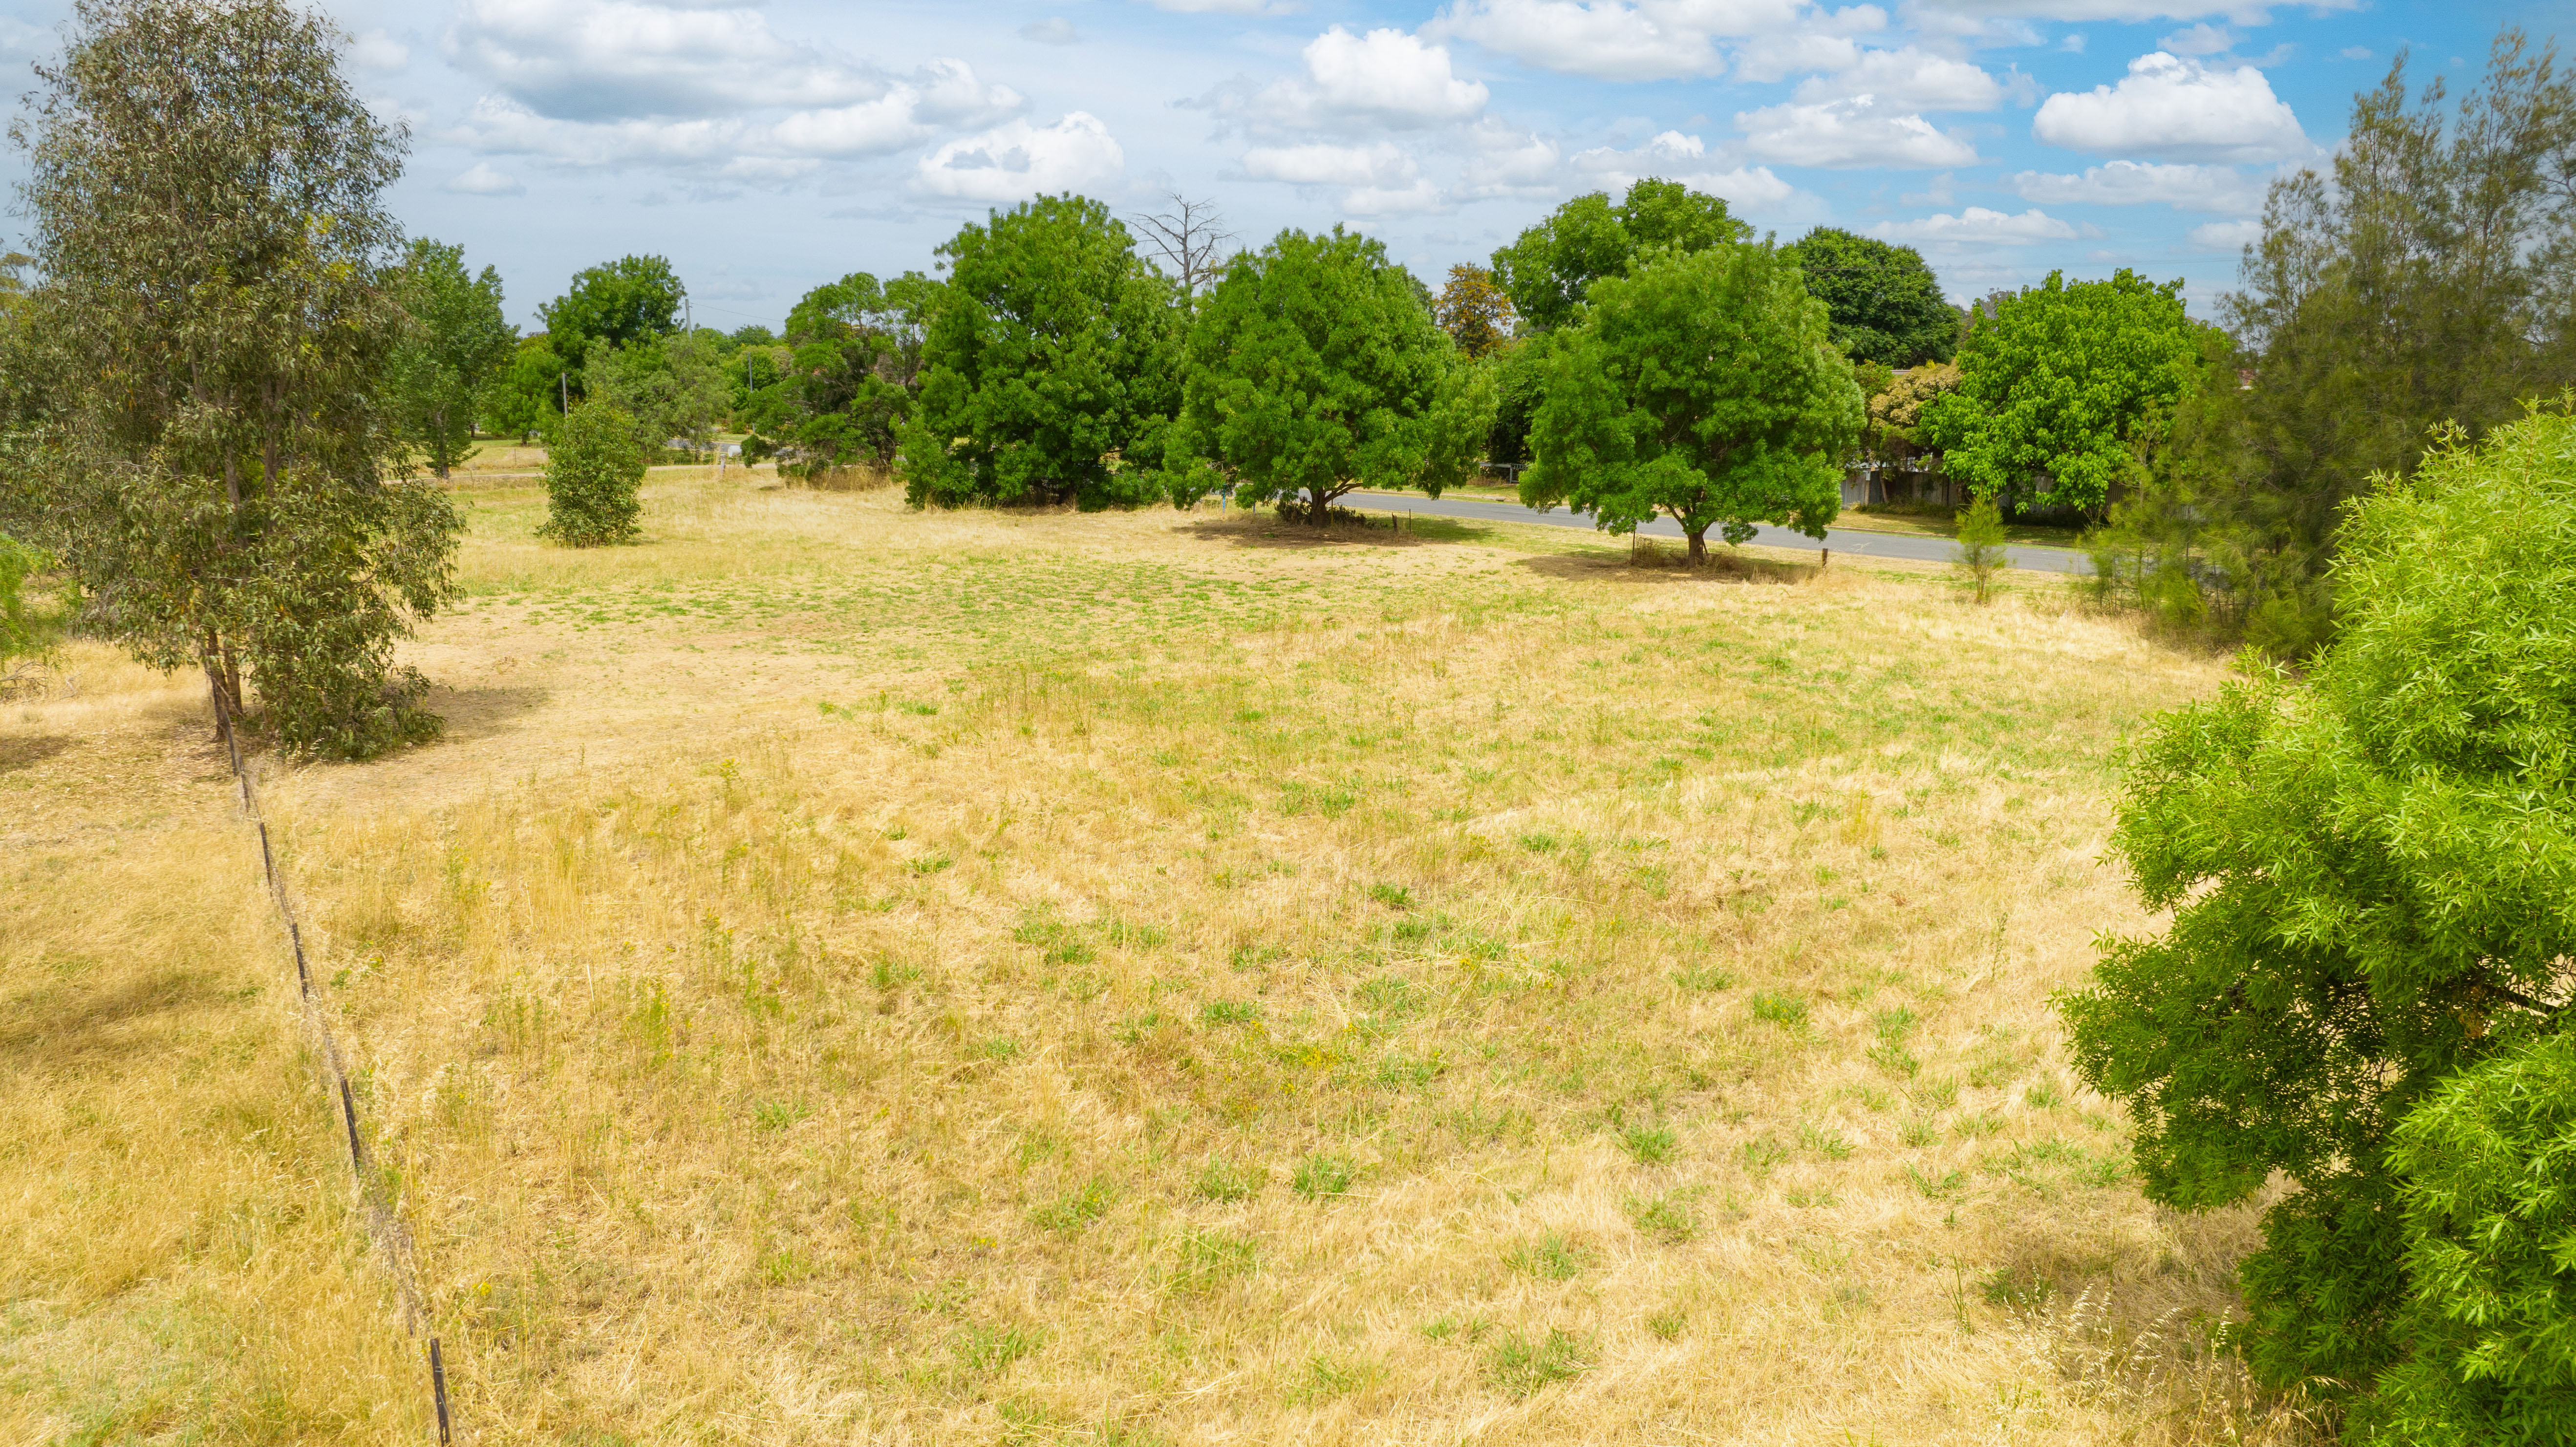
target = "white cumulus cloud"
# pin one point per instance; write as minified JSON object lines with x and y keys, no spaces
{"x":945,"y":96}
{"x":1978,"y":226}
{"x":1908,"y":79}
{"x":1510,"y":162}
{"x":2227,"y":235}
{"x":1678,"y":157}
{"x":2139,"y":183}
{"x":1660,"y":39}
{"x":482,"y":180}
{"x":1382,"y":164}
{"x":1855,"y":132}
{"x":376,"y":50}
{"x":608,"y":59}
{"x":1385,"y":79}
{"x":1016,"y":160}
{"x":2175,"y":109}
{"x":2121,"y":11}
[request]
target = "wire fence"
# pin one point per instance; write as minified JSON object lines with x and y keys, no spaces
{"x":376,"y":1206}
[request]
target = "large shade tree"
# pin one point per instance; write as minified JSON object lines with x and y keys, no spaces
{"x":1315,"y":369}
{"x":2065,"y":390}
{"x":215,"y":468}
{"x":1703,"y":387}
{"x":855,"y":358}
{"x":2370,"y":943}
{"x":1547,"y":270}
{"x":1883,"y":302}
{"x":455,"y":343}
{"x":1049,"y":365}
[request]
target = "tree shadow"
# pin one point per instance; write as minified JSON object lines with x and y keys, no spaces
{"x":27,"y":752}
{"x":57,"y":1026}
{"x":484,"y":712}
{"x":1725,"y":565}
{"x":1265,"y":530}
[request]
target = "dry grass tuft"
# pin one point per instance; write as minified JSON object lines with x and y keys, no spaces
{"x":991,"y":977}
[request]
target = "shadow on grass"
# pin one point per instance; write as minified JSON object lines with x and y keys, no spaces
{"x":1667,"y":565}
{"x":482,"y":713}
{"x":56,"y":1025}
{"x":26,"y":753}
{"x":1263,"y":529}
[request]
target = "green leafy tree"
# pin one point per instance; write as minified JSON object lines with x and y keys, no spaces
{"x":24,"y":633}
{"x":1520,"y":381}
{"x":1049,"y":365}
{"x":2429,"y":278}
{"x":455,"y":343}
{"x":1704,"y":387}
{"x":856,"y":357}
{"x":1474,"y":311}
{"x":2368,"y":875}
{"x":2065,"y":390}
{"x":623,"y":304}
{"x":219,"y":303}
{"x":670,"y":388}
{"x":1885,"y":303}
{"x":1547,"y":270}
{"x":525,"y":394}
{"x":1315,"y":369}
{"x":594,"y":478}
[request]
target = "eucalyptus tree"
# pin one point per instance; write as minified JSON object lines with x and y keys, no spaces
{"x":215,"y":467}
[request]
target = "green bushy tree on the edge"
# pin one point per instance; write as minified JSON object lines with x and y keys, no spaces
{"x":2373,"y":884}
{"x":213,"y":465}
{"x":454,"y":342}
{"x":593,"y":473}
{"x":1702,"y":386}
{"x":1316,"y":369}
{"x":1050,"y":365}
{"x":1549,"y":269}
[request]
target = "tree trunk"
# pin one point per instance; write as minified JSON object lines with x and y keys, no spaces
{"x":1319,"y":507}
{"x":1699,"y":547}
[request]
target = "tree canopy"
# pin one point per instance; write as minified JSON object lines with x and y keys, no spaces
{"x":1548,"y":268}
{"x":621,"y":303}
{"x":454,"y":343}
{"x":2065,"y":387}
{"x":1473,"y":310}
{"x":1048,"y":364}
{"x":856,"y":354}
{"x":2368,"y":878}
{"x":2429,"y":278}
{"x":1885,"y":304}
{"x":1315,"y":368}
{"x":1704,"y":387}
{"x":215,"y":470}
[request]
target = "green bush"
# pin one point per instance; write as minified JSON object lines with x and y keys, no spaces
{"x":2488,"y":1186}
{"x":593,"y":472}
{"x":1981,"y":545}
{"x":2370,"y":876}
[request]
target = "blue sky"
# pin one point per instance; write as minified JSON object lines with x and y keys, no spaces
{"x":767,"y":148}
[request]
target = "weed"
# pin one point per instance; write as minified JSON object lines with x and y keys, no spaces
{"x":1762,"y":1154}
{"x":779,"y":1114}
{"x":1209,"y":1257}
{"x":2016,"y":1290}
{"x":1667,"y":1217}
{"x":2043,"y":1095}
{"x":1392,"y":896}
{"x":1705,"y":977}
{"x":1538,"y":843}
{"x":1229,"y":1012}
{"x":1824,"y":1142}
{"x":1074,"y":1210}
{"x":1789,"y":1012}
{"x":1550,"y":1258}
{"x":1935,"y":1187}
{"x":984,"y":1351}
{"x":1319,"y":1176}
{"x":1647,"y":1145}
{"x":931,"y":863}
{"x":1668,"y":1325}
{"x":1518,"y":1366}
{"x":1219,"y":1181}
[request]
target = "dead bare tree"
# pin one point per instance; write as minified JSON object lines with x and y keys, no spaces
{"x":1187,"y":238}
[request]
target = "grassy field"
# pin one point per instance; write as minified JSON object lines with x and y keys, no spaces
{"x":860,"y":975}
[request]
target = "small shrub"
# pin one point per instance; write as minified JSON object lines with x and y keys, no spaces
{"x":1319,"y":1176}
{"x":1981,"y":546}
{"x":594,"y":471}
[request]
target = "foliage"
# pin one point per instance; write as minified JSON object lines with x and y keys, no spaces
{"x":455,"y":343}
{"x":621,"y":303}
{"x":1520,"y":380}
{"x":1896,"y":432}
{"x":1314,"y":367}
{"x":1048,"y":365}
{"x":1981,"y":544}
{"x":213,"y":471}
{"x":1474,"y":311}
{"x":2430,"y":279}
{"x":2369,"y":884}
{"x":1885,"y":303}
{"x":1549,"y":269}
{"x":23,"y":634}
{"x":670,"y":388}
{"x":856,"y":356}
{"x":525,"y":394}
{"x":593,"y":473}
{"x":1703,"y":386}
{"x":2488,"y":1170}
{"x":2065,"y":389}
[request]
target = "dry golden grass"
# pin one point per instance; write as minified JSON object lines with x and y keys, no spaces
{"x":178,"y":1258}
{"x":860,"y":975}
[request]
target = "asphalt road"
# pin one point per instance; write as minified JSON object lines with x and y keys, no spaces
{"x":1840,"y":540}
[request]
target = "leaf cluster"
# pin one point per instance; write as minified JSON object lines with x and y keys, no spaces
{"x":1884,"y":303}
{"x":1548,"y":270}
{"x":594,"y":473}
